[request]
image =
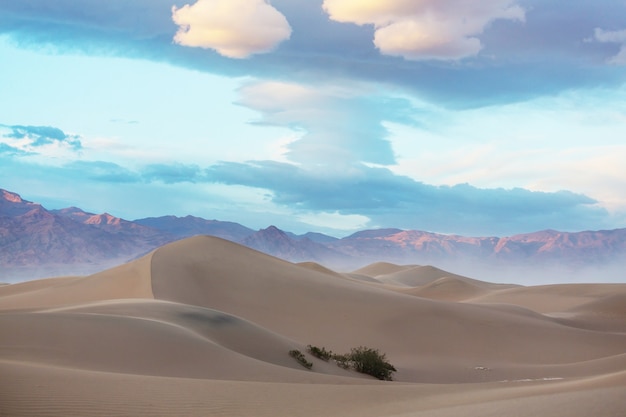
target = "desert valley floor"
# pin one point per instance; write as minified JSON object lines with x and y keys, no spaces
{"x":203,"y":327}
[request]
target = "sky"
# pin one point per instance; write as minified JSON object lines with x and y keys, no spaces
{"x":486,"y":118}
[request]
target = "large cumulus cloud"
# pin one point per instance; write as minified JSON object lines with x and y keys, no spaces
{"x":425,"y":29}
{"x":234,"y":28}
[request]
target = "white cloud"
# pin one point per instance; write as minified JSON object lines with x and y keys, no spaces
{"x":43,"y":142}
{"x":613,"y":36}
{"x":425,"y":29}
{"x":234,"y":28}
{"x":335,"y":125}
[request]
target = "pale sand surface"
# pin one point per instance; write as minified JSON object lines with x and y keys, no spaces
{"x":203,"y":327}
{"x":37,"y":390}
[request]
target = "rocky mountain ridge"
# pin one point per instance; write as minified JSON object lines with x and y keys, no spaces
{"x":34,"y":240}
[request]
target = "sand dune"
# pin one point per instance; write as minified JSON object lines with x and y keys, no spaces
{"x":131,"y":280}
{"x":319,"y":268}
{"x":613,"y":305}
{"x":429,"y":282}
{"x":203,"y":326}
{"x":553,"y":298}
{"x":449,"y":289}
{"x":382,"y":268}
{"x":416,"y":276}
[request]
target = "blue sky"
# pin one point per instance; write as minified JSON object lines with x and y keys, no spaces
{"x":479,"y":118}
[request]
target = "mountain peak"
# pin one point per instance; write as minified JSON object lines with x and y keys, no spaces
{"x":71,"y":210}
{"x":272,"y":234}
{"x":11,"y":204}
{"x":272,"y":230}
{"x":103,"y":219}
{"x":11,"y":197}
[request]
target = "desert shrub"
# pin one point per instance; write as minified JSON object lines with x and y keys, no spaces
{"x":362,"y":359}
{"x":343,"y":361}
{"x":372,"y":362}
{"x":299,"y":356}
{"x":320,"y":353}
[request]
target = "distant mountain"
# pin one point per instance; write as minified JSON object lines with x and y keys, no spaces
{"x":577,"y":248}
{"x":12,"y":204}
{"x":395,"y":245}
{"x":315,"y":237}
{"x":117,"y":226}
{"x":70,"y":239}
{"x":188,"y":226}
{"x":277,"y":243}
{"x":73,"y":213}
{"x":32,"y":238}
{"x":543,"y":247}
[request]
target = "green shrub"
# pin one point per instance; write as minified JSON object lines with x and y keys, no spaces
{"x":299,"y":356}
{"x":320,"y":353}
{"x":362,"y":359}
{"x":343,"y":361}
{"x":372,"y":362}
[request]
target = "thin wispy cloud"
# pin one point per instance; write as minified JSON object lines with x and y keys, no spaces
{"x":616,"y":37}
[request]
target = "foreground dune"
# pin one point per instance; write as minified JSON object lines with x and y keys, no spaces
{"x":204,"y":326}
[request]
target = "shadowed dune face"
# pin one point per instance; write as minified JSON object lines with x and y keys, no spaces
{"x":132,"y":280}
{"x":121,"y":336}
{"x":205,"y":320}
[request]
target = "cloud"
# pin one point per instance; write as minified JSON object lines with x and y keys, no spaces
{"x":234,"y":28}
{"x":358,"y":196}
{"x":396,"y":201}
{"x":426,"y":29}
{"x":28,"y":138}
{"x":104,"y":171}
{"x":517,"y":61}
{"x":173,"y":173}
{"x":8,"y":150}
{"x":101,"y":171}
{"x":337,"y":125}
{"x":613,"y":36}
{"x":112,"y":27}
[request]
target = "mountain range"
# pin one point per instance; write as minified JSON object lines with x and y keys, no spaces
{"x":36,"y":242}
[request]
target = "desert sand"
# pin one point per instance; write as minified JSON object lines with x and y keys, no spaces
{"x":203,"y":327}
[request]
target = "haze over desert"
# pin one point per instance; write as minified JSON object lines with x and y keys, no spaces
{"x":203,"y":326}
